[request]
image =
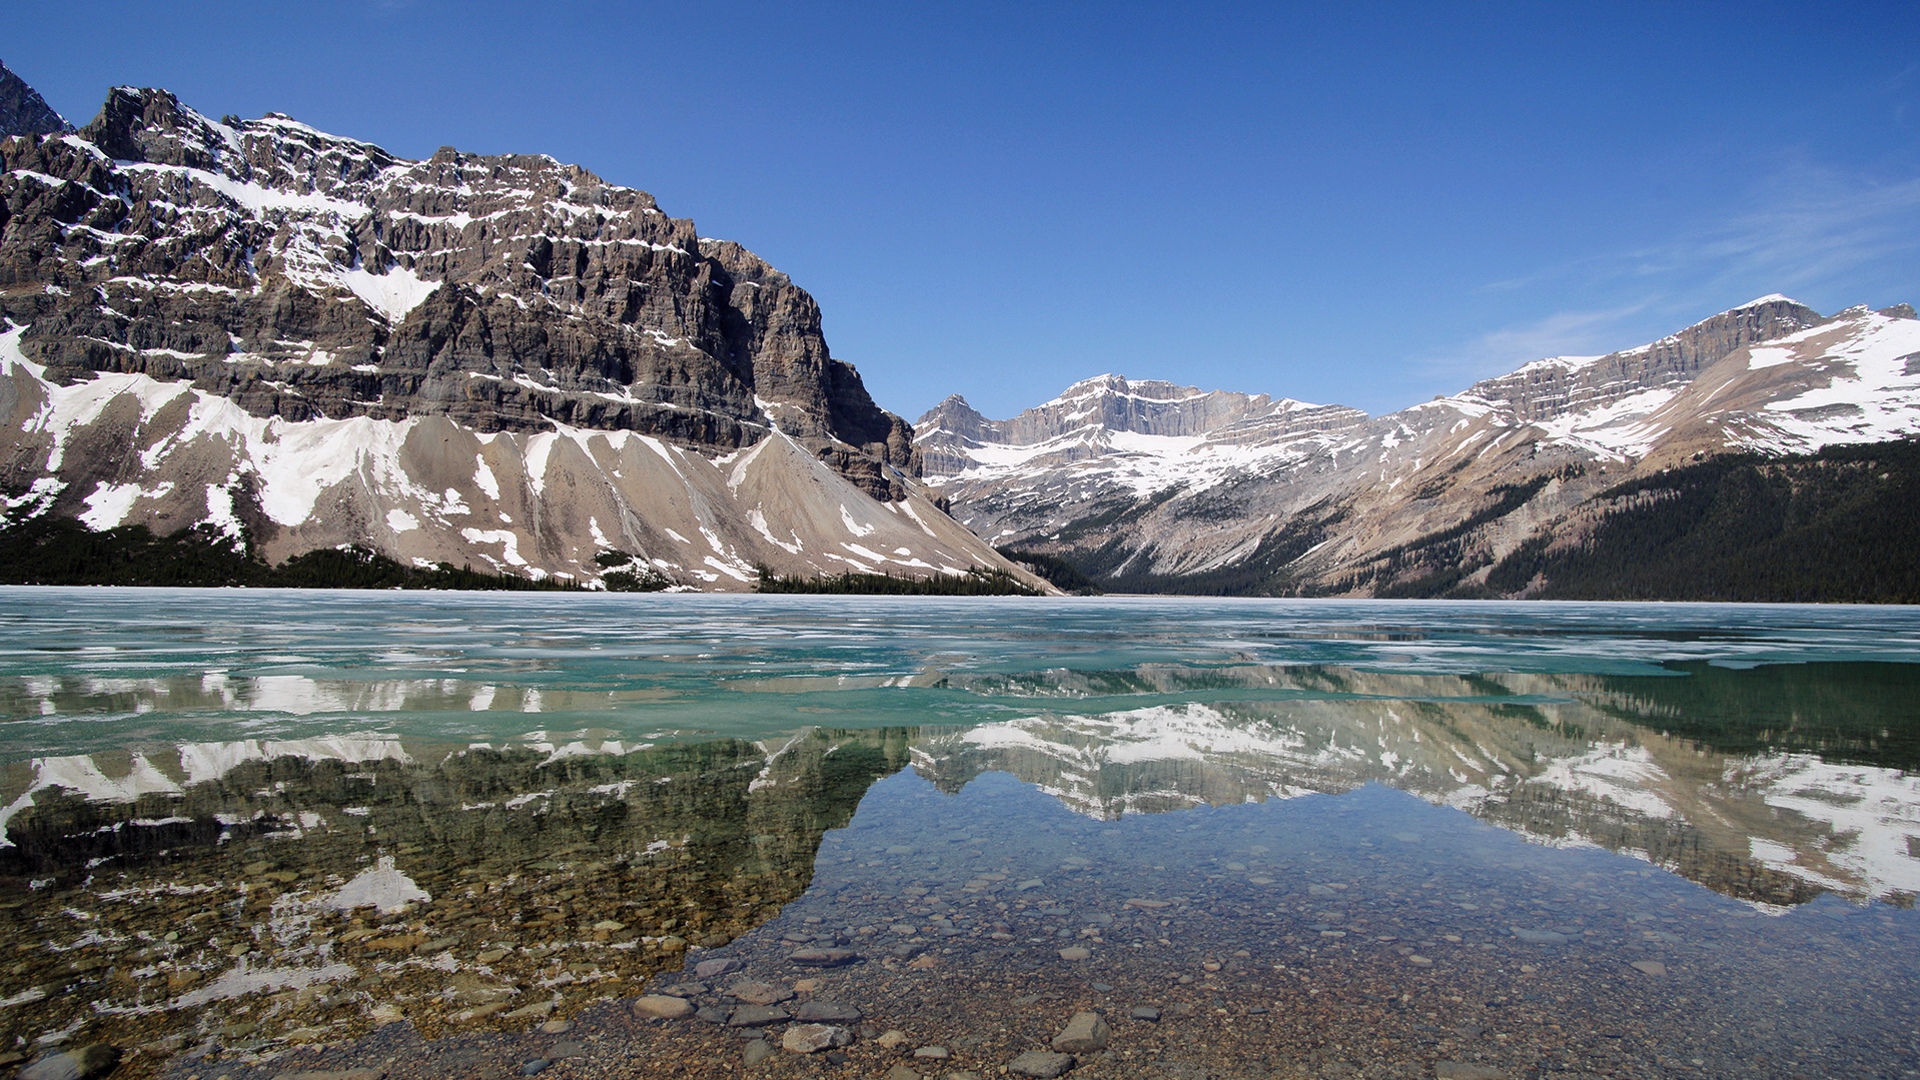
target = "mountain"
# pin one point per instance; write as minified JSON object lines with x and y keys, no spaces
{"x":23,"y":111}
{"x":294,"y":341}
{"x":1150,"y":486}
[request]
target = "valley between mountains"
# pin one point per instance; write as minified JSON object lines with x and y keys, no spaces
{"x":270,"y":341}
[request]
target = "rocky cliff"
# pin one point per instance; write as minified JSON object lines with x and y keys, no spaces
{"x":23,"y":111}
{"x":300,"y":340}
{"x":1296,"y":499}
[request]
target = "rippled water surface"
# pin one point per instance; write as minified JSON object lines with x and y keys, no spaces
{"x":1315,"y":838}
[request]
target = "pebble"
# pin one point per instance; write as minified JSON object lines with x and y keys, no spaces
{"x":1075,"y":952}
{"x":1650,"y":967}
{"x":535,"y":1067}
{"x":757,"y":1051}
{"x":890,"y":1039}
{"x":932,"y":1053}
{"x":1084,"y":1034}
{"x":1145,"y":1012}
{"x":337,"y":1074}
{"x":901,"y":1072}
{"x":1040,"y":1064}
{"x":662,"y":1007}
{"x":1540,"y":937}
{"x":556,"y":1027}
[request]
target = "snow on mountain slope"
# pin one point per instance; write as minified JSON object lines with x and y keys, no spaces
{"x":427,"y":490}
{"x":1323,"y":497}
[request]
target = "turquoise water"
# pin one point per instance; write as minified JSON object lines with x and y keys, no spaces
{"x":89,"y":669}
{"x":1598,"y":839}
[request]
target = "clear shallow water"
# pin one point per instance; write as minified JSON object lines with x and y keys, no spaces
{"x":584,"y":787}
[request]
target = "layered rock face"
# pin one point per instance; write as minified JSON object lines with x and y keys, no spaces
{"x":23,"y":111}
{"x":302,"y":338}
{"x":308,"y":276}
{"x":1292,"y":498}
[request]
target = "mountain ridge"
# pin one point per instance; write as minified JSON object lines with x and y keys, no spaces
{"x":1325,"y":500}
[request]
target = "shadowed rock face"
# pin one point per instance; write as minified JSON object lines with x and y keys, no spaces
{"x":23,"y":111}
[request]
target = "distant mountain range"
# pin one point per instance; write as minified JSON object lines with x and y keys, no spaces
{"x":288,"y":341}
{"x":1679,"y":468}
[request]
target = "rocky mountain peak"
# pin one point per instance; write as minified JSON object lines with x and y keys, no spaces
{"x":23,"y":111}
{"x":307,"y":275}
{"x":1557,"y":386}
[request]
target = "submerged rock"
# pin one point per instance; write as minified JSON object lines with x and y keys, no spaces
{"x":1085,"y":1033}
{"x":84,"y":1064}
{"x":1041,"y":1064}
{"x":824,"y":957}
{"x":662,"y":1007}
{"x":813,"y":1038}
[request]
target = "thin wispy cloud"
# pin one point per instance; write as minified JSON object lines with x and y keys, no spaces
{"x":1562,"y":333}
{"x":1803,"y":229}
{"x":1809,"y":227}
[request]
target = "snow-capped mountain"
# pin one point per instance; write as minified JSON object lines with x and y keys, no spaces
{"x":1146,"y":483}
{"x":501,"y":361}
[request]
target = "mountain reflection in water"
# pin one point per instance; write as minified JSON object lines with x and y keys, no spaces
{"x":1769,"y":784}
{"x":257,"y":892}
{"x":240,"y":896}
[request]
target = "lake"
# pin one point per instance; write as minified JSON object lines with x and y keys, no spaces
{"x":247,"y":832}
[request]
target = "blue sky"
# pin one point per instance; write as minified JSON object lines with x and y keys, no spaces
{"x":1361,"y":203}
